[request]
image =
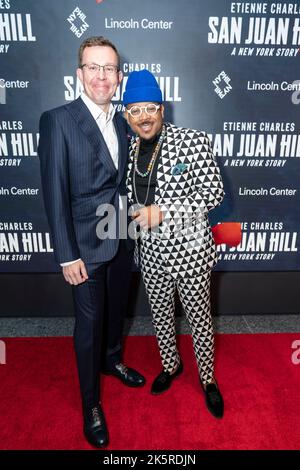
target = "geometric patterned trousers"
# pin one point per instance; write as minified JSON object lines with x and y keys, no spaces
{"x":194,"y":294}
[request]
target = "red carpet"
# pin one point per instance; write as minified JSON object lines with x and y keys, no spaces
{"x":40,"y":403}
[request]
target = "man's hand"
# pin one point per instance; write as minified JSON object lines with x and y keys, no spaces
{"x":75,"y":273}
{"x":148,"y":217}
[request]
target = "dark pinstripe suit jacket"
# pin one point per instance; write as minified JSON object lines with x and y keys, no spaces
{"x":78,"y":175}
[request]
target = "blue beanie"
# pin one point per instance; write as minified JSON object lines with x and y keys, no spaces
{"x":141,"y":86}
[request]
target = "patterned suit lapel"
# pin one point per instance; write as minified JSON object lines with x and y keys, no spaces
{"x":129,"y":169}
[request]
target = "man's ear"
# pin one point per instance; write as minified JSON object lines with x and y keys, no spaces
{"x":162,"y":108}
{"x":79,"y":74}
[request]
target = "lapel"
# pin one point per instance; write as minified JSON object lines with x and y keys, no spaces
{"x":129,"y":168}
{"x":89,"y":127}
{"x":169,"y":154}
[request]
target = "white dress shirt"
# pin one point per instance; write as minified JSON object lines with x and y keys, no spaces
{"x":105,"y":123}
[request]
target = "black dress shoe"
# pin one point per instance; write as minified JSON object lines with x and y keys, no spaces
{"x":95,"y":429}
{"x":164,"y":380}
{"x":128,"y":376}
{"x":214,"y":400}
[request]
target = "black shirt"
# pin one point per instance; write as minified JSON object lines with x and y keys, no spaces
{"x":147,"y":148}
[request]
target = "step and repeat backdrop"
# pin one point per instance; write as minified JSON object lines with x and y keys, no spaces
{"x":229,"y":68}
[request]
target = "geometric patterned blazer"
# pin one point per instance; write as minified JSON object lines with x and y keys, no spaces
{"x":188,"y":185}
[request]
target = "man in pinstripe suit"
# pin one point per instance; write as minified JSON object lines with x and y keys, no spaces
{"x":83,"y":151}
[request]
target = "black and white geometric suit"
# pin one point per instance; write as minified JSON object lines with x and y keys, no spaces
{"x":180,"y":253}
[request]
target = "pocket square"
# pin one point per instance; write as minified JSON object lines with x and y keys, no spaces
{"x":178,"y":169}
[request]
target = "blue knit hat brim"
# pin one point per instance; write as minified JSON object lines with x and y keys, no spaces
{"x":143,"y":94}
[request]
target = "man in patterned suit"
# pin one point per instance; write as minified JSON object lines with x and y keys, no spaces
{"x":84,"y":151}
{"x":173,"y":181}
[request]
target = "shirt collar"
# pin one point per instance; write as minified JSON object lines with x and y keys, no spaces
{"x":96,"y":111}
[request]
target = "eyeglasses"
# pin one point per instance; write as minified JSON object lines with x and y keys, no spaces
{"x":150,"y":109}
{"x":108,"y":69}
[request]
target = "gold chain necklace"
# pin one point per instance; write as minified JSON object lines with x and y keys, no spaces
{"x":153,"y":158}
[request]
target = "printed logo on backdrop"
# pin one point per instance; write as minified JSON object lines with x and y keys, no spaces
{"x":272,"y":86}
{"x":256,"y":144}
{"x":14,"y":26}
{"x":222,"y":84}
{"x":19,"y":242}
{"x":14,"y":142}
{"x":257,"y":29}
{"x":262,"y":242}
{"x":134,"y":23}
{"x":77,"y":20}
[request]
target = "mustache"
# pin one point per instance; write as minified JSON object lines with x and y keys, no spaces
{"x":145,"y":121}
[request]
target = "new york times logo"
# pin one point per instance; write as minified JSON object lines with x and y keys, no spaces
{"x":222,"y":84}
{"x":77,"y":21}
